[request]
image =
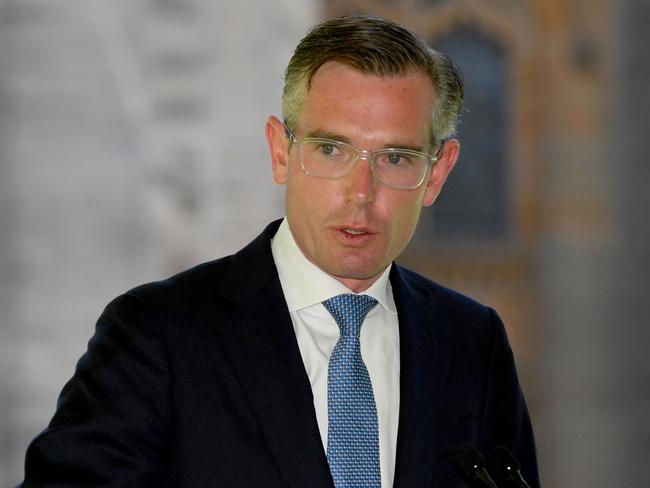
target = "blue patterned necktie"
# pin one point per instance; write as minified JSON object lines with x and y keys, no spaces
{"x":353,"y":435}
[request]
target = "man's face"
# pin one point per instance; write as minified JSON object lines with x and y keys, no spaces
{"x":354,"y":227}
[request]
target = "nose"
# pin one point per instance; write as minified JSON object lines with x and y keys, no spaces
{"x":360,"y":189}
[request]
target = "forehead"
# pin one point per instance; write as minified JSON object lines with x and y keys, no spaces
{"x":367,"y":107}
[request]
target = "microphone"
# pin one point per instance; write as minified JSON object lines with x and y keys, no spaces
{"x":506,"y":467}
{"x":473,"y":465}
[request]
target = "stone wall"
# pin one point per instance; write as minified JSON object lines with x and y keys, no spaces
{"x":131,"y":147}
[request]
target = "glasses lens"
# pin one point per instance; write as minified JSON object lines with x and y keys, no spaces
{"x":326,"y":158}
{"x":400,"y":168}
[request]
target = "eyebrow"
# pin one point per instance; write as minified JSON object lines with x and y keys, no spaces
{"x":321,"y":134}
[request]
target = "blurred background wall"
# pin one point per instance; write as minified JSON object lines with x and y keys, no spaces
{"x":131,"y":147}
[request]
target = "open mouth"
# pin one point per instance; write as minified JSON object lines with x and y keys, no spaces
{"x":358,"y":236}
{"x":354,"y":232}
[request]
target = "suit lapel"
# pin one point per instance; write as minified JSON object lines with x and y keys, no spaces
{"x":262,"y":346}
{"x":425,"y":337}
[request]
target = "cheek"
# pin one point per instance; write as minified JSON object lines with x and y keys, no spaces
{"x":309,"y":200}
{"x":313,"y":197}
{"x":405,"y":216}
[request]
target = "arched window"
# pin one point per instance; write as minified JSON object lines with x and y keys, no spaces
{"x":474,"y":205}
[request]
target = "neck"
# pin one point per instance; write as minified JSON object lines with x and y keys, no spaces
{"x":357,"y":285}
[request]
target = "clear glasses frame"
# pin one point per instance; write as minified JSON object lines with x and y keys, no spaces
{"x":370,"y":156}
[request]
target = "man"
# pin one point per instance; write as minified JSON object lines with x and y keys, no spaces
{"x":254,"y":370}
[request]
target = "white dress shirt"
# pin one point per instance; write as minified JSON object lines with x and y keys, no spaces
{"x":305,"y":287}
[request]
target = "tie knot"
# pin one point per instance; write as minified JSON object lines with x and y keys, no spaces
{"x":349,"y":311}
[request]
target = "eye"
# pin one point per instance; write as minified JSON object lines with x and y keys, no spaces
{"x":395,"y":158}
{"x":327,"y":149}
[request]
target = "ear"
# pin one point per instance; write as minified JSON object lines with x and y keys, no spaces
{"x":278,"y":149}
{"x":440,"y":171}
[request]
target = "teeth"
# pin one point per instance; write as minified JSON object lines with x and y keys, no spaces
{"x":355,"y":232}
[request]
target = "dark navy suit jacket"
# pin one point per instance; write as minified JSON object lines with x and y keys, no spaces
{"x":197,"y":381}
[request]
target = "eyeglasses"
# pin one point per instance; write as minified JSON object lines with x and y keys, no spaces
{"x":401,"y":169}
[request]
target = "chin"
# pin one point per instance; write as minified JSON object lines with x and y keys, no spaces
{"x":356,"y":271}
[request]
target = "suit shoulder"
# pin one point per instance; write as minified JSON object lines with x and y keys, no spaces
{"x":429,"y":290}
{"x":208,"y":289}
{"x":182,"y":294}
{"x":446,"y":306}
{"x":192,"y":280}
{"x":477,"y":325}
{"x":232,"y":278}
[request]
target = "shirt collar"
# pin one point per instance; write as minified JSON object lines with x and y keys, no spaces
{"x":304,"y":284}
